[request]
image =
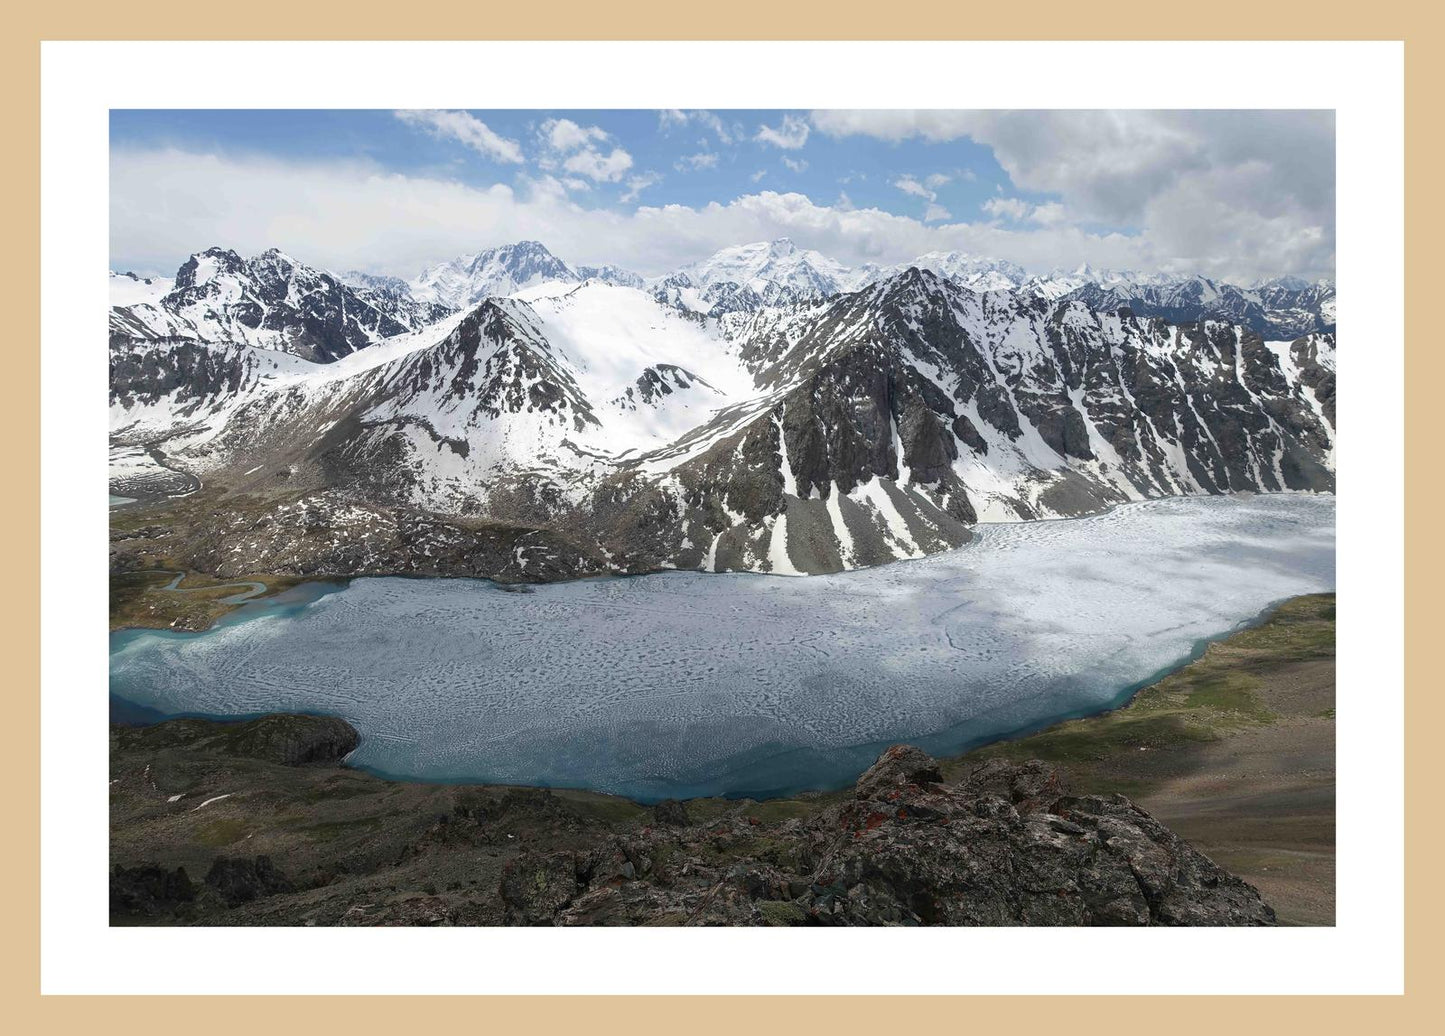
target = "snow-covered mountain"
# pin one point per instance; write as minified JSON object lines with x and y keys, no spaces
{"x":466,"y":280}
{"x":271,"y":301}
{"x":506,"y":270}
{"x":609,"y":274}
{"x":131,"y":289}
{"x":585,"y":427}
{"x":971,"y":271}
{"x":749,"y":277}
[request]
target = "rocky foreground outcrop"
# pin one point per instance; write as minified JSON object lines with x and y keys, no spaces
{"x":1006,"y":846}
{"x":276,"y":831}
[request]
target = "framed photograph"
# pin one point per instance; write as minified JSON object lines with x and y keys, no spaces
{"x":903,"y":487}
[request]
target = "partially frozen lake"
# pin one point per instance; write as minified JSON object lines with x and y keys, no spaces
{"x":682,"y":683}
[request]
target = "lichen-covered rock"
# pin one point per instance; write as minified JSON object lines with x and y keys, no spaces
{"x":295,"y":740}
{"x":285,"y":738}
{"x":1005,"y":846}
{"x":899,"y":767}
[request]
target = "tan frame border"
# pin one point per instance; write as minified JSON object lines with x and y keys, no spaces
{"x":745,"y":19}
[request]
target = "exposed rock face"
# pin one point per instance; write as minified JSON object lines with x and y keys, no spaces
{"x":282,"y":738}
{"x":1007,"y":846}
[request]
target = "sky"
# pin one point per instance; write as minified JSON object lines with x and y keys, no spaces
{"x":1237,"y":195}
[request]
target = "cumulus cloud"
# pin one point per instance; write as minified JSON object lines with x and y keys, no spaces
{"x":566,"y":135}
{"x":465,"y":129}
{"x":1049,"y":213}
{"x":168,"y":203}
{"x":790,"y":134}
{"x":606,"y":168}
{"x":1233,"y":193}
{"x":574,"y":149}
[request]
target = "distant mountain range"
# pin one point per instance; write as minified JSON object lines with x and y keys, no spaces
{"x":766,"y":409}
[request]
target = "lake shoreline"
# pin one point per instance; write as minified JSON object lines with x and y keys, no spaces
{"x":287,"y":579}
{"x":687,"y":684}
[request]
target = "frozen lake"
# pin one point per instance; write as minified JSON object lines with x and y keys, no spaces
{"x":683,"y":684}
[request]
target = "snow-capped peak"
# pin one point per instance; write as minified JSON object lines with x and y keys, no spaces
{"x":978,"y":273}
{"x":763,"y":273}
{"x":466,"y":280}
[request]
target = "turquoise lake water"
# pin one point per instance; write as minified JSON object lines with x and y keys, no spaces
{"x":682,"y":684}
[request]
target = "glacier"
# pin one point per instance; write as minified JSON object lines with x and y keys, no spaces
{"x":681,"y":684}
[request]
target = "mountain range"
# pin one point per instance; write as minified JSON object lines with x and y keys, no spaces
{"x":767,"y":409}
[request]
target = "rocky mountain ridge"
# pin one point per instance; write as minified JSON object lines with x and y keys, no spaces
{"x":273,"y":302}
{"x":622,"y":433}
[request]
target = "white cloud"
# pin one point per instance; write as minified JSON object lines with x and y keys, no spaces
{"x":571,"y":147}
{"x":166,"y":204}
{"x":758,"y":176}
{"x":1049,"y":213}
{"x":932,"y":212}
{"x":639,"y":183}
{"x":790,"y":134}
{"x":672,"y":118}
{"x":466,"y":129}
{"x":566,"y":135}
{"x":701,"y":160}
{"x":796,"y":165}
{"x":1007,"y":208}
{"x":1231,"y":193}
{"x":893,"y":125}
{"x":602,"y":168}
{"x":908,"y":185}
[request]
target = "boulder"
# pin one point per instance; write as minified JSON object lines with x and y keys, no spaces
{"x":240,"y":880}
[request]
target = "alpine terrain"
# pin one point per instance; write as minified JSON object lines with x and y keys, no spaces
{"x":768,"y":409}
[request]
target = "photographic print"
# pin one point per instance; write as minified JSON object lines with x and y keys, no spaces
{"x":766,"y":517}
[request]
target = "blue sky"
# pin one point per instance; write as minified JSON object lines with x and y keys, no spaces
{"x":389,"y":191}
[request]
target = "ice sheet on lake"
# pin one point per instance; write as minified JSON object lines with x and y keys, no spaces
{"x":690,"y":683}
